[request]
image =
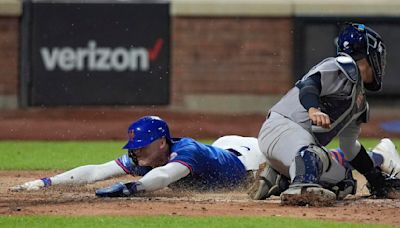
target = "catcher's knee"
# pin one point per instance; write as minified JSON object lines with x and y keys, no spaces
{"x":310,"y":162}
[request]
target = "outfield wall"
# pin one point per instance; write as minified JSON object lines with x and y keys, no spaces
{"x":226,"y":55}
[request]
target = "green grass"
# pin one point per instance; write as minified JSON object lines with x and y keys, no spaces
{"x":166,"y":221}
{"x":43,"y":155}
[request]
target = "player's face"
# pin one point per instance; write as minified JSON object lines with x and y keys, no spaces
{"x":366,"y":71}
{"x":154,"y":154}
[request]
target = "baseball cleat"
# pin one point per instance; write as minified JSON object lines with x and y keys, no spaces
{"x":391,"y":158}
{"x":307,"y":194}
{"x":265,"y":180}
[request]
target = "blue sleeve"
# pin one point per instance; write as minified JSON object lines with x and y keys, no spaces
{"x":187,"y":160}
{"x":125,"y":162}
{"x":310,"y":90}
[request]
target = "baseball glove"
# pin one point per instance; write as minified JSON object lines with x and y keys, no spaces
{"x":118,"y":190}
{"x":389,"y":190}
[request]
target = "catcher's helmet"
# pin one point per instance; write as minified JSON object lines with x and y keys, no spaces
{"x":145,"y":131}
{"x":360,"y":41}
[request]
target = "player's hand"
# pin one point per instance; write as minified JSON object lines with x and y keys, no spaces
{"x":30,"y":186}
{"x":118,"y":190}
{"x":319,"y":118}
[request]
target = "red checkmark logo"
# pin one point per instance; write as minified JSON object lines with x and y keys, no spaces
{"x":154,"y":51}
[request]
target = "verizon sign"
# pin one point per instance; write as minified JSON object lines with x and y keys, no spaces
{"x":97,"y":58}
{"x":108,"y":53}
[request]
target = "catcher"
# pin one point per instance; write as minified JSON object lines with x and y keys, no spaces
{"x":190,"y":162}
{"x":329,"y":101}
{"x":384,"y":156}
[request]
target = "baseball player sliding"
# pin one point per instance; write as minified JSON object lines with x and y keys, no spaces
{"x":328,"y":101}
{"x":163,"y":160}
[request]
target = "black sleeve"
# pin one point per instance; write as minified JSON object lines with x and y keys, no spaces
{"x":310,"y":90}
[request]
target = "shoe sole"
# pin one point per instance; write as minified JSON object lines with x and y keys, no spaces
{"x":311,"y":196}
{"x":259,"y":189}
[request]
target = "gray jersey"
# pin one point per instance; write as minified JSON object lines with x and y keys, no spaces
{"x":342,"y":97}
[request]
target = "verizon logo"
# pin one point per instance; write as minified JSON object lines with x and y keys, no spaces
{"x":96,"y":58}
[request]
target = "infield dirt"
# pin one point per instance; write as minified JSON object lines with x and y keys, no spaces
{"x":110,"y":123}
{"x":80,"y":200}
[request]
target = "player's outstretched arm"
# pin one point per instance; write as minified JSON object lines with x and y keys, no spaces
{"x":155,"y":179}
{"x":163,"y":176}
{"x":77,"y":176}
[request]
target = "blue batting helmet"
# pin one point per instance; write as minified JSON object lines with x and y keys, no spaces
{"x":145,"y":131}
{"x":360,"y":41}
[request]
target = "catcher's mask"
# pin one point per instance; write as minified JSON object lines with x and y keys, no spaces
{"x":360,"y":41}
{"x":145,"y":131}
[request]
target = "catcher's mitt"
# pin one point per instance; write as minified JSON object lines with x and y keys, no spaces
{"x":389,"y":190}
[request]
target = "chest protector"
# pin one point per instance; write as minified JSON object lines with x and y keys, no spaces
{"x":343,"y":108}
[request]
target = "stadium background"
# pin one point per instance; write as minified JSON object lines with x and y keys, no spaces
{"x":229,"y":61}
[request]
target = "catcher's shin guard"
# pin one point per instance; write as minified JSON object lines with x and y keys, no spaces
{"x":309,"y":164}
{"x":268,"y":182}
{"x":307,"y":169}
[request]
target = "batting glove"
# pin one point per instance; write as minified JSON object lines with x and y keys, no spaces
{"x":118,"y":190}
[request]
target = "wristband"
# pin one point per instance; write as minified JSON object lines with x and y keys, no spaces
{"x":132,"y":187}
{"x":46,"y":181}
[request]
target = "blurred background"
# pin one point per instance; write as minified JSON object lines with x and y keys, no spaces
{"x":84,"y":69}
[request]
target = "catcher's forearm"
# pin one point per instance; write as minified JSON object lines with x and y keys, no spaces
{"x":161,"y":177}
{"x":88,"y":174}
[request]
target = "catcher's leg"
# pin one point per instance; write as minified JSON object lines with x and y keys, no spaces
{"x":309,"y":163}
{"x":339,"y":178}
{"x":345,"y":187}
{"x":268,"y":182}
